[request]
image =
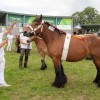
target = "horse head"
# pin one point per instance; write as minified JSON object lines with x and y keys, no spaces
{"x":27,"y":31}
{"x":36,"y":27}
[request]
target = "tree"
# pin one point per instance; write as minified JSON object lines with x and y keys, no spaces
{"x":88,"y":16}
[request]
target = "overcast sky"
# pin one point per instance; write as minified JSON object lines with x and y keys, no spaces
{"x":48,"y":7}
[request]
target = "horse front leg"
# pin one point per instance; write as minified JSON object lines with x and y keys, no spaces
{"x":63,"y":74}
{"x":60,"y":78}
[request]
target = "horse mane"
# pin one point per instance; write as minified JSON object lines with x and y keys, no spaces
{"x":60,"y":31}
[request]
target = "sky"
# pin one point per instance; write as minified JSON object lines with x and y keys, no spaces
{"x":48,"y":7}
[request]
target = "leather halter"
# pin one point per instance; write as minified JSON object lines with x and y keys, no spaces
{"x":38,"y":27}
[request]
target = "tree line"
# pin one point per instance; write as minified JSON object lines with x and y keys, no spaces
{"x":88,"y":16}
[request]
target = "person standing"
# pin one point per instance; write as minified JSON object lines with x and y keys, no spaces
{"x":10,"y":38}
{"x":17,"y":43}
{"x":2,"y":58}
{"x":24,"y":49}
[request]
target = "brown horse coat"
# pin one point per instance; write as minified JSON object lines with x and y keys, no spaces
{"x":80,"y":46}
{"x":40,"y":44}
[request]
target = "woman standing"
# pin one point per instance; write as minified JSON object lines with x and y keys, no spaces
{"x":2,"y":58}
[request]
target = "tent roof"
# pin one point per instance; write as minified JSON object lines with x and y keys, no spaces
{"x":91,"y":26}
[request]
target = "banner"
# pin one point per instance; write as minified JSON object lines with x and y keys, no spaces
{"x":64,"y":23}
{"x":12,"y":17}
{"x":50,"y":20}
{"x":29,"y":19}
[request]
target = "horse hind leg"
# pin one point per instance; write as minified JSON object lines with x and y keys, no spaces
{"x":43,"y":64}
{"x":97,"y":78}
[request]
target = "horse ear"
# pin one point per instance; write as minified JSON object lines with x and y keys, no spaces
{"x":41,"y":17}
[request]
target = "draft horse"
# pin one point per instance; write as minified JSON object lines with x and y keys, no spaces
{"x":54,"y":39}
{"x":41,"y":47}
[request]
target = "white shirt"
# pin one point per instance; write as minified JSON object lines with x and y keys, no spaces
{"x":10,"y":37}
{"x":24,"y":39}
{"x":1,"y":49}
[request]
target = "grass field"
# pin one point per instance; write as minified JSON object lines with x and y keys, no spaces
{"x":34,"y":84}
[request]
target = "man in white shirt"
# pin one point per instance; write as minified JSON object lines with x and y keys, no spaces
{"x":24,"y":49}
{"x":10,"y":38}
{"x":2,"y":58}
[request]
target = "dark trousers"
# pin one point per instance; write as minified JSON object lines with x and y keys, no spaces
{"x":23,"y":52}
{"x":18,"y":49}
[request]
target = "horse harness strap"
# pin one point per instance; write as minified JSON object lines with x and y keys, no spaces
{"x":33,"y":30}
{"x":66,"y":46}
{"x":30,"y":27}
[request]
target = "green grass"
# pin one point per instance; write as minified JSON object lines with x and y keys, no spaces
{"x":34,"y":84}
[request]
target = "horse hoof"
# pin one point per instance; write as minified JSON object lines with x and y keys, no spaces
{"x":98,"y":85}
{"x":64,"y":79}
{"x":95,"y":81}
{"x":43,"y":68}
{"x":58,"y":85}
